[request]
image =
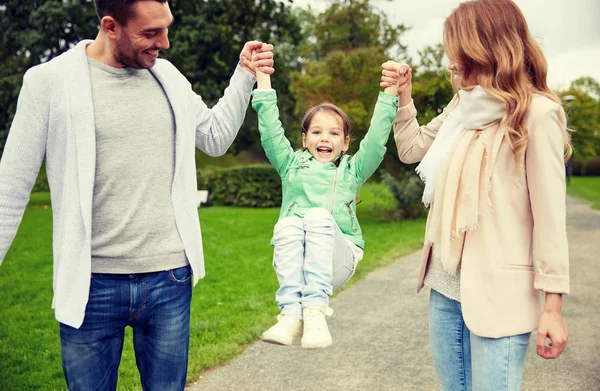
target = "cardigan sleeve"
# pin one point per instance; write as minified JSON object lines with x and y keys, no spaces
{"x":545,"y":168}
{"x":217,"y":127}
{"x":21,"y":161}
{"x":412,"y":140}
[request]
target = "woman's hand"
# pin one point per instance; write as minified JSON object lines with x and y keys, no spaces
{"x":551,"y":326}
{"x":396,"y":78}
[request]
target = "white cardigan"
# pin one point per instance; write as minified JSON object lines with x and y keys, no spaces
{"x":55,"y":119}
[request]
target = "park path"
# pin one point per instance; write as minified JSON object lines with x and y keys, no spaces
{"x":380,"y":337}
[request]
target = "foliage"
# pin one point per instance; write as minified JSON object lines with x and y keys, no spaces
{"x":408,"y":193}
{"x":347,"y":25}
{"x":588,"y":85}
{"x":432,"y":89}
{"x":41,"y":182}
{"x":253,"y":185}
{"x":592,"y":167}
{"x":32,"y":32}
{"x":584,"y":118}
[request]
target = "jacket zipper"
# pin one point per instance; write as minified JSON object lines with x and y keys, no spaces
{"x":333,"y":191}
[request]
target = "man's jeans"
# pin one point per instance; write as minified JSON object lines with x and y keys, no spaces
{"x":465,"y":361}
{"x":157,"y":307}
{"x":312,"y":258}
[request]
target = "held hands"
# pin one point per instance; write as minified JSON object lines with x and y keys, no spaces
{"x":551,"y":326}
{"x":257,"y":56}
{"x":396,"y":78}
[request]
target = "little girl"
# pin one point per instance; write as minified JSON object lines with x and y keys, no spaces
{"x":317,"y":240}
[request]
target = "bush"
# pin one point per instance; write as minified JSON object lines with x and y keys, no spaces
{"x":408,"y":193}
{"x":576,"y":167}
{"x":41,"y":182}
{"x":252,"y":185}
{"x":592,"y":167}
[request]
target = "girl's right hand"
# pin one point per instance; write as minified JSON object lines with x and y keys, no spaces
{"x":396,"y":78}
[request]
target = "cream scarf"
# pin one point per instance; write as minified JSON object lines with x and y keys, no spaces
{"x":457,"y":171}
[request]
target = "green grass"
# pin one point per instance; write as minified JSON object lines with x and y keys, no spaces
{"x":231,"y":306}
{"x":586,"y":188}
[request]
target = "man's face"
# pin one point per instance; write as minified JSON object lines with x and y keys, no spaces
{"x":144,"y":34}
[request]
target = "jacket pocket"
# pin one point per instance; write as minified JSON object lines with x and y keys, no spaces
{"x":289,"y":209}
{"x":353,"y":220}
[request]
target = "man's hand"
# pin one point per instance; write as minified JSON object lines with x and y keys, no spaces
{"x":257,"y":55}
{"x":552,"y":327}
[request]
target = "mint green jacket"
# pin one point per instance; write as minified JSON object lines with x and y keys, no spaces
{"x":308,"y":183}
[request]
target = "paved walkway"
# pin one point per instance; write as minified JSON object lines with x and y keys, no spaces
{"x":380,"y":337}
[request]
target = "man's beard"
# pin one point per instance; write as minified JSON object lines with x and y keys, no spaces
{"x":125,"y":54}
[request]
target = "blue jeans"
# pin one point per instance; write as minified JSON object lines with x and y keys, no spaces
{"x":312,"y":258}
{"x":465,"y":361}
{"x":157,"y":307}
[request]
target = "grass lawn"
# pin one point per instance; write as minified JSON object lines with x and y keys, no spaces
{"x":586,"y":188}
{"x":231,"y":307}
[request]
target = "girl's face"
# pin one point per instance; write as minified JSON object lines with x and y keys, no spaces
{"x":324,"y":138}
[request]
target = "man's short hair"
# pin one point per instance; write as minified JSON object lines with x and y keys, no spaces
{"x":120,"y":10}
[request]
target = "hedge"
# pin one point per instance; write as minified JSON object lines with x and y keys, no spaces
{"x":590,"y":167}
{"x":255,"y":185}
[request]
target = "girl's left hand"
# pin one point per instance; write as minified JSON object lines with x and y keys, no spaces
{"x":552,"y":327}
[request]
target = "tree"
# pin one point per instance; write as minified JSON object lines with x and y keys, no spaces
{"x":346,"y":25}
{"x":432,"y":89}
{"x":32,"y":32}
{"x":589,"y":85}
{"x":584,"y":118}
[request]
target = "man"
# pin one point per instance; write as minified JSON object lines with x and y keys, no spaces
{"x":118,"y":127}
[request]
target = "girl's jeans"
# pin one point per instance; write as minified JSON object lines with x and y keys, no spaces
{"x":157,"y":307}
{"x":312,"y":258}
{"x":465,"y":361}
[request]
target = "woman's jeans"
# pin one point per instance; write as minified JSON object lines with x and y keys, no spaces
{"x":157,"y":307}
{"x":465,"y":361}
{"x":312,"y":258}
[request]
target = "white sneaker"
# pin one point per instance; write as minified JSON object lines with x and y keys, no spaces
{"x":287,"y":331}
{"x":316,"y":333}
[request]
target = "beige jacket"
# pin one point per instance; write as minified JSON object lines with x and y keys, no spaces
{"x":520,"y":248}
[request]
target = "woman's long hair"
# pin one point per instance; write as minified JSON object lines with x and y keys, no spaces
{"x":491,"y":40}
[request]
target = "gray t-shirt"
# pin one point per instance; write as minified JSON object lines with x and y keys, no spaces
{"x":133,"y":223}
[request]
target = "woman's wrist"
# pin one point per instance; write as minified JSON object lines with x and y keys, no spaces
{"x":404,"y":98}
{"x":553,"y":303}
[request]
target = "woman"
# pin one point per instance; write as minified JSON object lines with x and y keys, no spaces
{"x":493,"y":166}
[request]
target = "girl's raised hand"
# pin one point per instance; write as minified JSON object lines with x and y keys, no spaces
{"x":260,"y":62}
{"x":257,"y":55}
{"x":396,"y":78}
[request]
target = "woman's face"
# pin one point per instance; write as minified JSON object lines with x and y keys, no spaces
{"x":458,"y":73}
